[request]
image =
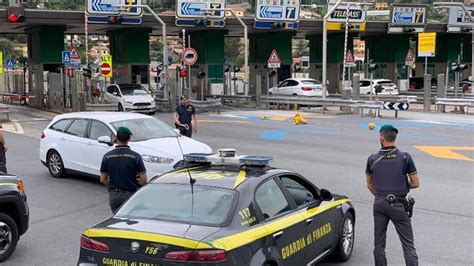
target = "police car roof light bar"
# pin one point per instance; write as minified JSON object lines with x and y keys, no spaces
{"x":228,"y":157}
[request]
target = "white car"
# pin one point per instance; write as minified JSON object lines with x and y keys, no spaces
{"x":385,"y":87}
{"x":131,"y":98}
{"x":76,"y":142}
{"x":298,"y":87}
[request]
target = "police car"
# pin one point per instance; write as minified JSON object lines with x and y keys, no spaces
{"x":224,"y":209}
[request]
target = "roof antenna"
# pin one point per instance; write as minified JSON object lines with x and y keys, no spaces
{"x":191,"y":179}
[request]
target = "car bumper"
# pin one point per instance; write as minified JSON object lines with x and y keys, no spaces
{"x":136,"y":109}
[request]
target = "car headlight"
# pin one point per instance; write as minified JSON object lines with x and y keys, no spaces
{"x":129,"y":102}
{"x":156,"y":159}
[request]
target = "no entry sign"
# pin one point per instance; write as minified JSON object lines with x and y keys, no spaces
{"x":106,"y":66}
{"x":106,"y":69}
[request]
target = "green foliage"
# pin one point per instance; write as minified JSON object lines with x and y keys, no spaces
{"x":65,"y":4}
{"x":301,"y":48}
{"x":156,"y":50}
{"x":233,"y":50}
{"x":8,"y":49}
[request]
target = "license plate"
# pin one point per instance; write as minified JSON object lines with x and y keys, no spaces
{"x":142,"y":107}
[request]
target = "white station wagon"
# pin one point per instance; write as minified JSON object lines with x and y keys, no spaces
{"x":76,"y":142}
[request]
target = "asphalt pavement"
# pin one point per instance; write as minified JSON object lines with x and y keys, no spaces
{"x":331,"y":151}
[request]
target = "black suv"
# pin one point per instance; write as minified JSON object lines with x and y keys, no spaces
{"x":14,"y":214}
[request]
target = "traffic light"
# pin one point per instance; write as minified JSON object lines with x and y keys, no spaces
{"x":202,"y":22}
{"x":114,"y":19}
{"x":201,"y":75}
{"x":373,"y":67}
{"x":466,"y":29}
{"x":459,"y":67}
{"x":278,"y":25}
{"x":87,"y":72}
{"x":227,"y":69}
{"x":16,"y":14}
{"x":236,"y":69}
{"x":408,"y":29}
{"x":272,"y":74}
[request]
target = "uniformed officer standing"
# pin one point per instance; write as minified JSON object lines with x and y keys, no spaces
{"x":390,"y":175}
{"x":122,"y":170}
{"x":185,"y":118}
{"x":3,"y":152}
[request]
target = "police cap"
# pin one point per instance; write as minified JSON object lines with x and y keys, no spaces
{"x":388,"y":128}
{"x":124,"y":130}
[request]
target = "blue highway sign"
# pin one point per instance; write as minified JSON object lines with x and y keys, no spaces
{"x":200,"y":9}
{"x":408,"y":15}
{"x":10,"y":63}
{"x":66,"y":57}
{"x":107,"y":7}
{"x":278,"y":11}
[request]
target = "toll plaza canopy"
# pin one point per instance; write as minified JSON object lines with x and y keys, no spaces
{"x":74,"y":22}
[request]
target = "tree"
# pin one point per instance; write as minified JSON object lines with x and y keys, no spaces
{"x":156,"y":50}
{"x":65,"y":4}
{"x":301,"y":48}
{"x":233,"y":51}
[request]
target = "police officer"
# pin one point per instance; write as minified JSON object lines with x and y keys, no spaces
{"x":390,"y":175}
{"x":122,"y":170}
{"x":3,"y":152}
{"x":185,"y":118}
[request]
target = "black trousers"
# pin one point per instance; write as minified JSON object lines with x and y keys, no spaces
{"x":3,"y":161}
{"x":186,"y":132}
{"x":384,"y":212}
{"x":117,"y":198}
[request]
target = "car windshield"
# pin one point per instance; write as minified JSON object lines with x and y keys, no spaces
{"x":386,"y":82}
{"x":180,"y":203}
{"x":310,"y":82}
{"x":133,"y":89}
{"x":146,"y":129}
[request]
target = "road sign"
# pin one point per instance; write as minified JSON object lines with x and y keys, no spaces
{"x":305,"y":62}
{"x":427,"y":44}
{"x":359,"y":50}
{"x":190,"y":56}
{"x":396,"y":106}
{"x":274,"y":60}
{"x":10,"y":63}
{"x":106,"y":7}
{"x":349,"y":59}
{"x":410,"y":58}
{"x":356,"y":14}
{"x":105,"y":20}
{"x":106,"y":68}
{"x":75,"y":56}
{"x":66,"y":57}
{"x":278,"y":10}
{"x":1,"y":63}
{"x":408,"y":15}
{"x":196,"y":8}
{"x":342,"y":26}
{"x":269,"y":25}
{"x":458,"y":19}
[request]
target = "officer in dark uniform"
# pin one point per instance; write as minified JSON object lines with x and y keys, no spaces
{"x":185,"y":118}
{"x":390,"y":175}
{"x":122,"y":170}
{"x":3,"y":152}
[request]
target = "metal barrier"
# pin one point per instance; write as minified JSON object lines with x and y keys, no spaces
{"x":392,"y":98}
{"x":101,"y":107}
{"x":21,"y":98}
{"x":441,"y":103}
{"x":237,"y":98}
{"x":214,"y":104}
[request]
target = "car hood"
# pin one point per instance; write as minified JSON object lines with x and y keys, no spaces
{"x":170,"y":147}
{"x":138,"y":98}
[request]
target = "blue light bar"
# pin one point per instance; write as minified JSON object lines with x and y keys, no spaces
{"x":256,"y":160}
{"x":197,"y":157}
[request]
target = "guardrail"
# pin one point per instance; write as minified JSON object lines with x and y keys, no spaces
{"x":392,"y":98}
{"x":421,"y":95}
{"x":441,"y":103}
{"x":237,"y":98}
{"x":101,"y":107}
{"x":208,"y":104}
{"x":21,"y":98}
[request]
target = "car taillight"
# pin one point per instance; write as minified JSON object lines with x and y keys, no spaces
{"x":307,"y":88}
{"x":92,"y":244}
{"x":197,"y":256}
{"x":43,"y":135}
{"x":20,"y":187}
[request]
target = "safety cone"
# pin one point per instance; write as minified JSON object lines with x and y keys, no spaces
{"x":264,"y":117}
{"x":299,"y":119}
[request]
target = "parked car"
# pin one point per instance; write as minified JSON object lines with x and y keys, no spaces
{"x":76,"y":142}
{"x":14,"y":214}
{"x":378,"y":86}
{"x":131,"y":98}
{"x":298,"y":87}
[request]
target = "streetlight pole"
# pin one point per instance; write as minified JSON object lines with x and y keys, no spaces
{"x":165,"y":45}
{"x":471,"y":19}
{"x":325,"y":46}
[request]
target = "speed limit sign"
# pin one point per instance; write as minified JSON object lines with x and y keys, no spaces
{"x":190,"y":56}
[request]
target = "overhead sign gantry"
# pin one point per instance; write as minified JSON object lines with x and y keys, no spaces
{"x":277,"y":14}
{"x":191,"y":13}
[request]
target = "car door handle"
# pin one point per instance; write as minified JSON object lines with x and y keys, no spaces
{"x":277,"y":235}
{"x":309,"y":221}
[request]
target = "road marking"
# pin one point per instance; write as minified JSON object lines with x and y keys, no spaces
{"x":13,"y":127}
{"x":220,"y":121}
{"x":279,"y":118}
{"x":447,"y":152}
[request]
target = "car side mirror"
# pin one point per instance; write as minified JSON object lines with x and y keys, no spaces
{"x":105,"y":140}
{"x":326,"y":195}
{"x":114,"y":93}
